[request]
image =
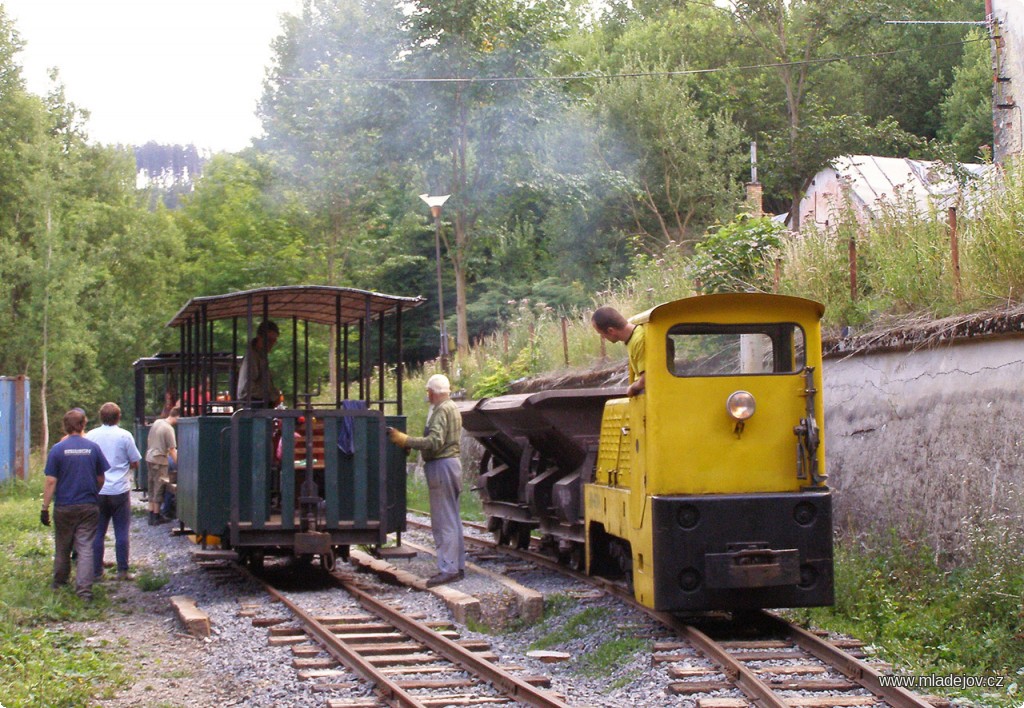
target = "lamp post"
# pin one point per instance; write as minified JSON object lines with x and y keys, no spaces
{"x":435,"y":204}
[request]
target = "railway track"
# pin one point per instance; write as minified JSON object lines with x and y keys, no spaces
{"x":406,"y":662}
{"x":784,"y":666}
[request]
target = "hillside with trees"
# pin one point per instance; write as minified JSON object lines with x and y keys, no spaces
{"x":580,"y":150}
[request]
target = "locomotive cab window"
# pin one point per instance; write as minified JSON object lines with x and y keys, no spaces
{"x":735,"y":350}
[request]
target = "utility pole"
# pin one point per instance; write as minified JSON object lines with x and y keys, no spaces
{"x":1005,"y":19}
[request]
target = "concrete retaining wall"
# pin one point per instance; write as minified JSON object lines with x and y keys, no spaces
{"x":928,"y":441}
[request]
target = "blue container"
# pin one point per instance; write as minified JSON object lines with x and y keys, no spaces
{"x":14,"y":427}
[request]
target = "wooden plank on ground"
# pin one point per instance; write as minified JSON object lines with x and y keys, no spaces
{"x":310,"y":674}
{"x":287,"y":641}
{"x":382,"y":567}
{"x":307,"y":650}
{"x":195,"y":620}
{"x":529,"y":602}
{"x":830,"y":701}
{"x":318,"y":663}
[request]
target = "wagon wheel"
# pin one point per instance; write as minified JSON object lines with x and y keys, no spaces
{"x":503,"y":531}
{"x":522,"y":535}
{"x":575,"y":557}
{"x":328,"y":562}
{"x":254,"y":559}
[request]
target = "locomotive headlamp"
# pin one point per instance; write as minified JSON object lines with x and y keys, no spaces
{"x":741,"y":405}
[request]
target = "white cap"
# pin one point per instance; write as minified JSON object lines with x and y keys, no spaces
{"x":438,"y":383}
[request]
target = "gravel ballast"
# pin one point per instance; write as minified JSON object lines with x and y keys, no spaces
{"x":236,"y":666}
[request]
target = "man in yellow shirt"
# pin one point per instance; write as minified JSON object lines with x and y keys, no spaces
{"x":611,"y":325}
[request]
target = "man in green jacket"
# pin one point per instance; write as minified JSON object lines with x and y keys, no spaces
{"x":443,"y":470}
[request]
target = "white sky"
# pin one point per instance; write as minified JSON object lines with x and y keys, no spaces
{"x":173,"y":71}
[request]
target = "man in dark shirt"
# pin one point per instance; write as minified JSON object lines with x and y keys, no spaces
{"x":255,"y":380}
{"x":74,"y":475}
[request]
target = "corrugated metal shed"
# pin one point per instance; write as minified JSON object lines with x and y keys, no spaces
{"x":867,"y":183}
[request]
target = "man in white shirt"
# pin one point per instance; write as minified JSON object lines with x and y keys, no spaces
{"x":122,"y":455}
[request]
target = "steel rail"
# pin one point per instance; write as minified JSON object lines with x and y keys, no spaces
{"x":511,"y":686}
{"x":853,"y":668}
{"x":760,"y":693}
{"x":738,"y":673}
{"x":387,"y":690}
{"x":756,"y":689}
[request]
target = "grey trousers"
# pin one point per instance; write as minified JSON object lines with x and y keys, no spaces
{"x":74,"y":526}
{"x":444,"y":481}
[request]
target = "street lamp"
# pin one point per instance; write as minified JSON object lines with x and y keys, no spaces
{"x":435,"y":204}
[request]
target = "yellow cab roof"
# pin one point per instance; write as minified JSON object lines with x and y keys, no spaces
{"x":734,"y":303}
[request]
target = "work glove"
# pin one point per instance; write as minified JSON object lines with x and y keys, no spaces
{"x":397,"y":437}
{"x":44,"y":517}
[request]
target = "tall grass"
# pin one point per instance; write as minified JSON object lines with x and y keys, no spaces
{"x":40,"y":663}
{"x":904,"y":257}
{"x":993,"y":242}
{"x":932,"y":619}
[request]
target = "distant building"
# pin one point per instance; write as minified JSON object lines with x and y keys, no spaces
{"x":867,"y":183}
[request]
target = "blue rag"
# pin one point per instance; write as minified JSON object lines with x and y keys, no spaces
{"x":345,"y":430}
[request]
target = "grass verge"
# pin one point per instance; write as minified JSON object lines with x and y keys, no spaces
{"x":611,"y":653}
{"x":929,"y":620}
{"x":41,"y":663}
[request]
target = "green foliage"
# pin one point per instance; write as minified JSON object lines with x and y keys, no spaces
{"x":496,"y":376}
{"x":738,"y":256}
{"x":618,"y":644}
{"x":42,"y":665}
{"x":581,"y":624}
{"x":611,"y":654}
{"x":929,"y":619}
{"x":150,"y":580}
{"x":684,"y":164}
{"x":558,"y":604}
{"x":966,"y":108}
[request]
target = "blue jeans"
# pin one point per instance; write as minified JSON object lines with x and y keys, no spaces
{"x":119,"y":508}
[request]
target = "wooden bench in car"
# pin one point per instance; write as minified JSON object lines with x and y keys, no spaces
{"x":318,"y":445}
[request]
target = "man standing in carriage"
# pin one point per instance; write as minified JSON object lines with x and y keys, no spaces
{"x":255,"y":382}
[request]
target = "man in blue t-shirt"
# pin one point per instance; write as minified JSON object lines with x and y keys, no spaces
{"x":74,"y":476}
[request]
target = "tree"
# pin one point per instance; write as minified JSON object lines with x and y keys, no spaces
{"x":685,"y":165}
{"x":236,"y":235}
{"x":966,"y":109}
{"x":790,"y":34}
{"x":334,"y":133}
{"x":480,"y":133}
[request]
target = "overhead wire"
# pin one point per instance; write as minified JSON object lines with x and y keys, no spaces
{"x":623,"y":75}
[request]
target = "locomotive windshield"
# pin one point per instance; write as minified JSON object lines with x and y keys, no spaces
{"x":735,"y":350}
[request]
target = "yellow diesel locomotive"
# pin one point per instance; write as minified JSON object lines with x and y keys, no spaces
{"x":705,"y":492}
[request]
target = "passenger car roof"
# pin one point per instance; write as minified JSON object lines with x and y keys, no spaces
{"x":312,"y":303}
